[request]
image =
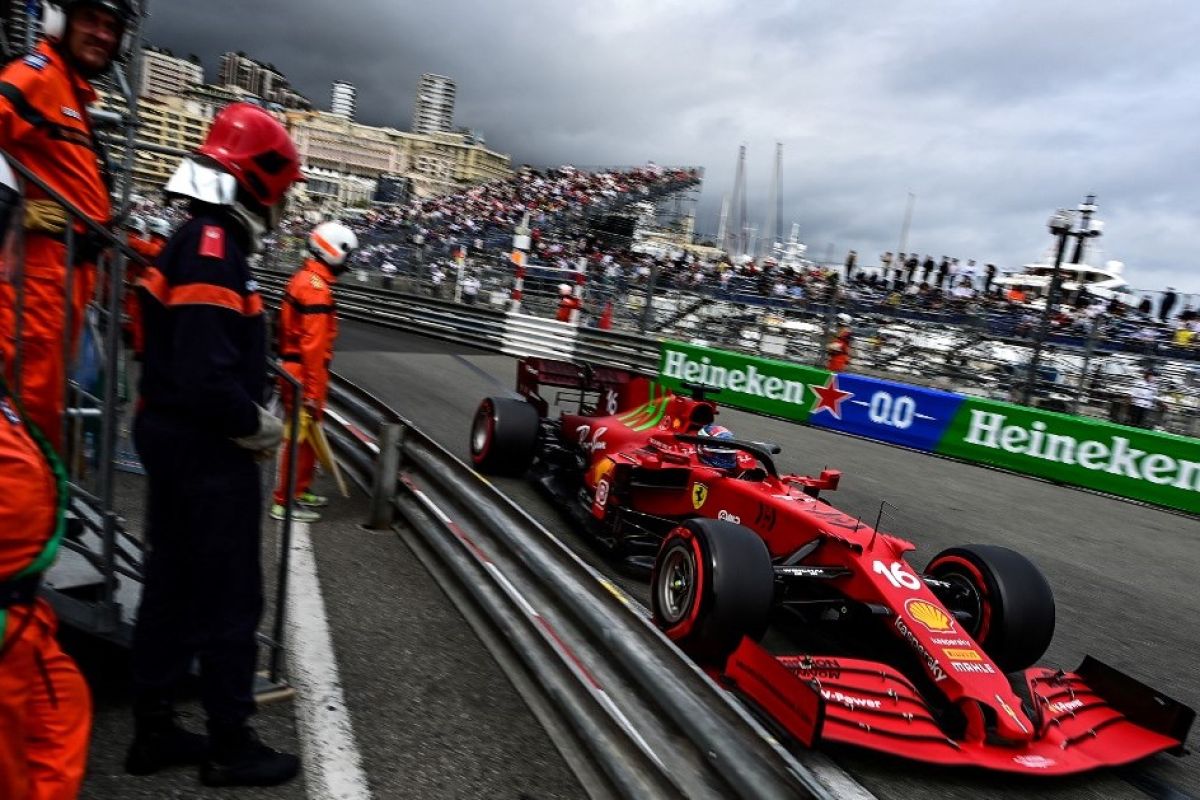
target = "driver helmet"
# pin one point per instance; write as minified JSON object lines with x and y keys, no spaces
{"x":719,"y":457}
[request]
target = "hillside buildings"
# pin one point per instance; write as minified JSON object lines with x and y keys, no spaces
{"x":261,"y":79}
{"x":166,"y":75}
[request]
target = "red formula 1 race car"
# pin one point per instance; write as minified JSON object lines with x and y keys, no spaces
{"x":912,"y":662}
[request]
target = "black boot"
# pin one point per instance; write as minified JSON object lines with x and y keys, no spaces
{"x":237,"y":758}
{"x":159,"y":742}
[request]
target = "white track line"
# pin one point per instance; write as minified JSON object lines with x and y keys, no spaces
{"x":332,"y":764}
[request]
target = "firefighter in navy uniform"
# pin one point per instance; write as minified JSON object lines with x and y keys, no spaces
{"x":202,"y":433}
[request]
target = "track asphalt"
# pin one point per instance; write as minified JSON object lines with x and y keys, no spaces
{"x":434,"y":717}
{"x":1124,"y":575}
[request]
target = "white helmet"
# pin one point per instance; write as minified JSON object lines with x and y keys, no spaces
{"x":159,"y":227}
{"x":332,"y":243}
{"x":564,"y":288}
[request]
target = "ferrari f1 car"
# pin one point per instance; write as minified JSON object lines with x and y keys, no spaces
{"x":912,"y":662}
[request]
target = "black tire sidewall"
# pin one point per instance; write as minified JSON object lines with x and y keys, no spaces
{"x":1021,"y":602}
{"x":736,"y":587}
{"x":511,"y":445}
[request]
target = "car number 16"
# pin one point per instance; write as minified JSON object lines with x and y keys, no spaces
{"x":897,"y":575}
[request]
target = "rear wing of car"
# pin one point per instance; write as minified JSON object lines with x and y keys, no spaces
{"x":601,"y":390}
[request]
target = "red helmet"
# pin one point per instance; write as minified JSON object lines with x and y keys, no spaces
{"x":256,"y":149}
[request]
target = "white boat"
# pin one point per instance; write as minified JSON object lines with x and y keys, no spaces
{"x":1105,"y":282}
{"x":791,"y":255}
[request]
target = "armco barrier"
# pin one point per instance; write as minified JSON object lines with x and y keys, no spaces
{"x":1158,"y":468}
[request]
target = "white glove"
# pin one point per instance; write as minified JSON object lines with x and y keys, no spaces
{"x":268,"y":436}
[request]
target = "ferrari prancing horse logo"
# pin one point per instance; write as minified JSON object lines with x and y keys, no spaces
{"x":699,"y":495}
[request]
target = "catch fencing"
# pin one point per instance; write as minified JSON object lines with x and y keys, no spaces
{"x":1088,"y":377}
{"x":1150,"y":466}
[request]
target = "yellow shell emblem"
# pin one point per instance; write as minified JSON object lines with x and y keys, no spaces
{"x":929,"y":615}
{"x":699,"y":495}
{"x":316,"y":282}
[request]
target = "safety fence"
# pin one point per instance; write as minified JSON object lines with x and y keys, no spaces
{"x":1150,"y":466}
{"x":633,"y":716}
{"x":1079,"y":376}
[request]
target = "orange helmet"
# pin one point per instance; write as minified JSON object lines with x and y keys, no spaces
{"x":255,"y":148}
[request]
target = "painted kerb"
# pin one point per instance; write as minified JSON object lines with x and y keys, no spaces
{"x":1158,"y":468}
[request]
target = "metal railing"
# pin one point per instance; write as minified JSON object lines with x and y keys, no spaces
{"x":96,"y":584}
{"x":1077,"y":375}
{"x":638,"y":719}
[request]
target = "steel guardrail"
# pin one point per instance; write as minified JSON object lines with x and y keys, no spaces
{"x":481,"y":326}
{"x":632,"y":715}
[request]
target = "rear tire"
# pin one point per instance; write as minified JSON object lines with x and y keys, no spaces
{"x":1010,"y":602}
{"x":504,"y":436}
{"x":712,"y":585}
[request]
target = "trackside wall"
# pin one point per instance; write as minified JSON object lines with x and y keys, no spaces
{"x":1158,"y":468}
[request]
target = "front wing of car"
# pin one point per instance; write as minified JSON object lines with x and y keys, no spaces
{"x":1091,"y":718}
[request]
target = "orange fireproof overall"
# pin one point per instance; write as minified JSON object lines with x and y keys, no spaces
{"x":45,"y":707}
{"x":44,"y":125}
{"x":307,"y":331}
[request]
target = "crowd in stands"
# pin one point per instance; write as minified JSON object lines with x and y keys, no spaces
{"x":424,"y":234}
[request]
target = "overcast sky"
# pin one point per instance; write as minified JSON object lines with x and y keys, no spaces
{"x":992,"y":112}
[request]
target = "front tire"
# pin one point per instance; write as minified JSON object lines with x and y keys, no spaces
{"x":712,"y":585}
{"x":1006,"y":602}
{"x":504,"y":436}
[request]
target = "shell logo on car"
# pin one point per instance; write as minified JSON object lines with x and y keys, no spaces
{"x":929,"y":615}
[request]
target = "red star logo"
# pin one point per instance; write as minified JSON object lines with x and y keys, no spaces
{"x":829,"y":397}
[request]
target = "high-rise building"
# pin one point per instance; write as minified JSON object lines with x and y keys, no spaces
{"x":165,"y":75}
{"x":343,"y":100}
{"x":433,"y":110}
{"x":264,"y":80}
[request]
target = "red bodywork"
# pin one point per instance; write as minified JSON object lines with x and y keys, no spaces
{"x":1080,"y":721}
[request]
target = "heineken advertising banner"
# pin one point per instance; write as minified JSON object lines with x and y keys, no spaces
{"x":1145,"y":465}
{"x":769,"y":387}
{"x":912,"y":416}
{"x":1156,"y":467}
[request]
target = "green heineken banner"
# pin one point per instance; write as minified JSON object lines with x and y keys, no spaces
{"x":757,"y":384}
{"x":1158,"y":468}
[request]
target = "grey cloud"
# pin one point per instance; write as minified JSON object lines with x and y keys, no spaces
{"x":993,"y":113}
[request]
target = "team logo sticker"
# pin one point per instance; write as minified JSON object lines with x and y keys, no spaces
{"x":929,"y":616}
{"x":1034,"y":761}
{"x":957,"y":654}
{"x":699,"y":495}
